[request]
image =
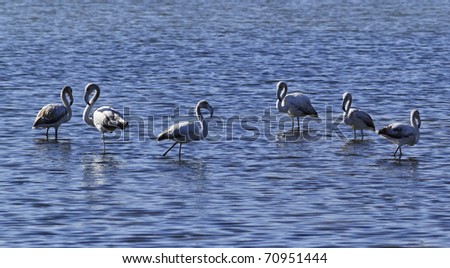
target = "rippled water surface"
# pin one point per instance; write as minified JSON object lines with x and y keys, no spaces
{"x":250,"y":184}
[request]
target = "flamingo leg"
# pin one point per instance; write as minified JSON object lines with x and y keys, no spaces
{"x":104,"y":143}
{"x":170,"y":149}
{"x":46,"y":133}
{"x":179,"y":152}
{"x":293,"y":124}
{"x":56,"y":133}
{"x":401,"y":151}
{"x":354,"y":134}
{"x":298,"y":123}
{"x":362,"y":135}
{"x":398,"y":147}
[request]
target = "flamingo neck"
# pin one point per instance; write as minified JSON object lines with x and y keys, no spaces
{"x":281,"y":106}
{"x":86,"y":115}
{"x":281,"y":91}
{"x":199,"y":114}
{"x":90,"y":104}
{"x":67,"y":105}
{"x":346,"y":105}
{"x":201,"y":119}
{"x":281,"y":94}
{"x":94,"y":99}
{"x":415,"y":120}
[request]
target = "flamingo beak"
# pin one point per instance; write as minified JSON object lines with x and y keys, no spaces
{"x":71,"y":98}
{"x":87,"y":93}
{"x":211,"y":110}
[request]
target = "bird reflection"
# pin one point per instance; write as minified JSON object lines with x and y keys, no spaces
{"x":357,"y":147}
{"x":193,"y":167}
{"x":400,"y":167}
{"x":98,"y":168}
{"x":298,"y":136}
{"x":52,"y":150}
{"x":63,"y":142}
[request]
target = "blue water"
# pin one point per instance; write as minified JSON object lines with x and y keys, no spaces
{"x":249,"y":184}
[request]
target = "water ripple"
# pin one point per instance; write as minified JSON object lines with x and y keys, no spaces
{"x":253,"y":183}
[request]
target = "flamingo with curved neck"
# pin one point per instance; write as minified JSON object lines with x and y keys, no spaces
{"x":294,"y":104}
{"x":53,"y":115}
{"x":187,"y":131}
{"x":355,"y":118}
{"x":401,"y":134}
{"x":105,"y":118}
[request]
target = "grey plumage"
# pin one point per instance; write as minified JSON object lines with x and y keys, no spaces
{"x":53,"y":115}
{"x":187,"y":131}
{"x":402,"y":134}
{"x":355,"y":118}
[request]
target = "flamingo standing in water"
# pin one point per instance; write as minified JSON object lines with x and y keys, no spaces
{"x":105,"y":118}
{"x":356,"y":119}
{"x":294,"y":104}
{"x":187,"y":131}
{"x":402,"y":134}
{"x":53,"y":115}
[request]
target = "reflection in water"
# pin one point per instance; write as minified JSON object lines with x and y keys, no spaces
{"x":400,"y":167}
{"x":193,"y":167}
{"x":97,"y":168}
{"x":54,"y":151}
{"x":45,"y":140}
{"x":99,"y":171}
{"x":42,"y":142}
{"x":357,"y":147}
{"x":298,"y":136}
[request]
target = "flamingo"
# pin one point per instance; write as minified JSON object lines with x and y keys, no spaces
{"x":402,"y":134}
{"x":53,"y":115}
{"x":356,"y":119}
{"x":187,"y":131}
{"x":105,"y":118}
{"x":294,"y":104}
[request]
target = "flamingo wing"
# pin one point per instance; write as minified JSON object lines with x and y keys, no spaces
{"x":397,"y":131}
{"x":182,"y":131}
{"x":300,"y":103}
{"x":364,"y":117}
{"x":108,"y":119}
{"x":50,"y":114}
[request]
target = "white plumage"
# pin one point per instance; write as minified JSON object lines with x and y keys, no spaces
{"x":356,"y":119}
{"x":187,"y":131}
{"x":402,"y":134}
{"x":53,"y":115}
{"x":105,"y":118}
{"x":294,"y":104}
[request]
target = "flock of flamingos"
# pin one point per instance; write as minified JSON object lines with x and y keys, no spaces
{"x":107,"y":119}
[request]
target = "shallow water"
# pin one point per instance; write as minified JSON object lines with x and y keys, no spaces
{"x":251,"y":184}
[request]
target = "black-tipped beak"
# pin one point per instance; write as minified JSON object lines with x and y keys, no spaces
{"x":122,"y":125}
